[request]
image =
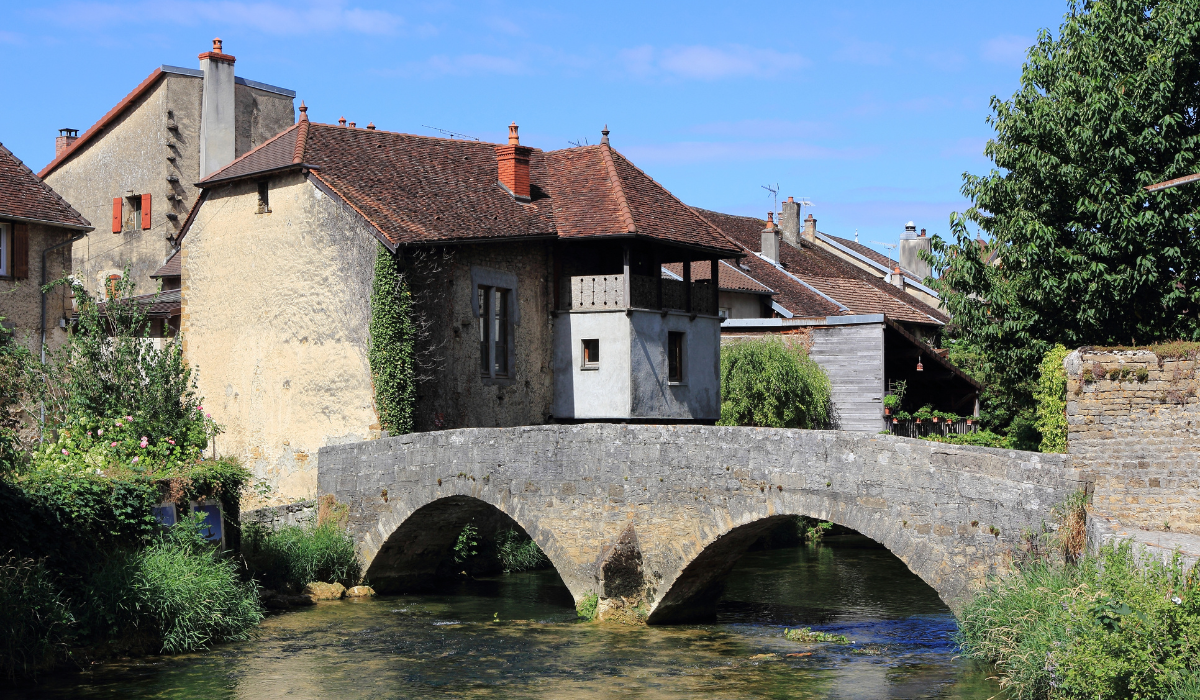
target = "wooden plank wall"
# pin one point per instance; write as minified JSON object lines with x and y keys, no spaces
{"x":852,"y":356}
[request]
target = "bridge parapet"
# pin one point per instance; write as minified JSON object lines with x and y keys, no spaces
{"x":654,"y":516}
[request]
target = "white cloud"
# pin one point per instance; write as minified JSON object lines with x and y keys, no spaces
{"x":1007,"y":49}
{"x":708,"y":62}
{"x":689,"y":152}
{"x":269,"y":17}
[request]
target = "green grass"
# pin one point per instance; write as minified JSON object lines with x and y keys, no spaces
{"x":294,"y":556}
{"x":808,"y":636}
{"x":1107,"y":627}
{"x":177,"y":594}
{"x":35,"y":620}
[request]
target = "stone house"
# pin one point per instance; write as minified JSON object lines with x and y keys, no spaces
{"x":134,"y":170}
{"x":865,"y":331}
{"x":537,"y":278}
{"x":37,"y":230}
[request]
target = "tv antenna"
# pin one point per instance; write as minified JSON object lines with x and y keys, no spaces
{"x":774,"y":194}
{"x":580,"y":143}
{"x":451,"y":134}
{"x":889,"y":246}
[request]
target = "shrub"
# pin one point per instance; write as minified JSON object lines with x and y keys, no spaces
{"x":177,"y":594}
{"x":764,"y":383}
{"x":1051,"y":398}
{"x":1108,"y":627}
{"x":981,"y":438}
{"x":587,"y":605}
{"x":518,"y":552}
{"x":294,"y":555}
{"x":35,"y":620}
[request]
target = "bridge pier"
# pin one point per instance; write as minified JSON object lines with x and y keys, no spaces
{"x":651,"y":517}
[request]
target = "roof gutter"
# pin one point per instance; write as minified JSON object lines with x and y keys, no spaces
{"x":60,"y":224}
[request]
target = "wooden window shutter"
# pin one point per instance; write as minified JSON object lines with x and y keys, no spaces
{"x":145,"y":212}
{"x":116,"y":215}
{"x":20,"y":252}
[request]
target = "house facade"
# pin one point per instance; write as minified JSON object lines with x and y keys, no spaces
{"x":535,"y":277}
{"x":37,"y":231}
{"x":134,"y":170}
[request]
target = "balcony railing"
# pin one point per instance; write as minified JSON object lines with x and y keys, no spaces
{"x":607,"y":292}
{"x":920,"y":428}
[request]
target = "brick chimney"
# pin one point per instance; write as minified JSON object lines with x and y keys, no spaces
{"x":513,"y":162}
{"x":810,"y":228}
{"x":897,"y":278}
{"x":217,"y":110}
{"x":770,"y":239}
{"x":66,"y":137}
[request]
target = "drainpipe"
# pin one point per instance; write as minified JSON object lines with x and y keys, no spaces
{"x":68,"y":242}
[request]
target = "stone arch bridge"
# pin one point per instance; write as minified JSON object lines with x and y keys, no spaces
{"x":655,"y":516}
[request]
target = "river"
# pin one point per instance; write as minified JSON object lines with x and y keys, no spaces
{"x":515,"y":636}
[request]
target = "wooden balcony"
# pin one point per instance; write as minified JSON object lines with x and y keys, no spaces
{"x":607,"y":293}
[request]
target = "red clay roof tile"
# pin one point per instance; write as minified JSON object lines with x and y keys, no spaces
{"x":23,"y":195}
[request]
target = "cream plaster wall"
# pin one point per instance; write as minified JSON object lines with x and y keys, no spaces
{"x":276,"y":321}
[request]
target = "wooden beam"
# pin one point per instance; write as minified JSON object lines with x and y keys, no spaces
{"x":716,"y":286}
{"x":687,"y":286}
{"x":627,"y":286}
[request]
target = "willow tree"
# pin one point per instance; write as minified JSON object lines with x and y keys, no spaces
{"x":1074,"y":250}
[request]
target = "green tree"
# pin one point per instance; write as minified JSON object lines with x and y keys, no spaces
{"x":765,"y":383}
{"x":1076,"y":251}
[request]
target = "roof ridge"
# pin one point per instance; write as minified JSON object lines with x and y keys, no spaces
{"x":103,"y":122}
{"x":42,"y":183}
{"x":301,"y":135}
{"x":360,"y":212}
{"x":618,"y":189}
{"x":247,"y":154}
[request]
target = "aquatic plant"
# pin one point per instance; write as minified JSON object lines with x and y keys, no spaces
{"x":467,"y":545}
{"x":808,"y":636}
{"x":586,"y":607}
{"x":812,"y":530}
{"x":295,"y":555}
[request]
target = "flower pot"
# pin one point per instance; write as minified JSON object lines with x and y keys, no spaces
{"x":887,"y":411}
{"x":935,"y":419}
{"x":918,"y":421}
{"x":969,"y":421}
{"x":895,"y":421}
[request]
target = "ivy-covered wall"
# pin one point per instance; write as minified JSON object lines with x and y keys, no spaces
{"x":393,"y":335}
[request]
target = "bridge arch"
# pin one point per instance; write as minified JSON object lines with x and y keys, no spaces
{"x":420,"y":549}
{"x":693,"y":594}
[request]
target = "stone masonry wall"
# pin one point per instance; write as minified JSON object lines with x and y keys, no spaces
{"x":1134,"y":430}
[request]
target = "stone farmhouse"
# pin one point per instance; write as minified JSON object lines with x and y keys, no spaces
{"x":134,"y":170}
{"x":37,"y":228}
{"x":538,"y":275}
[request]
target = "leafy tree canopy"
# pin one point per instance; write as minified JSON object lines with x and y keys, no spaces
{"x":1078,"y":252}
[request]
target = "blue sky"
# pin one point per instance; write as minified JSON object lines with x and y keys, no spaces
{"x":871,"y":110}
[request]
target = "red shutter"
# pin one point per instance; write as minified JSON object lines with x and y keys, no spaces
{"x":20,"y":251}
{"x":145,"y":212}
{"x":116,"y":214}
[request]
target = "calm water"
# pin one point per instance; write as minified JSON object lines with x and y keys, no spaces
{"x":515,"y":637}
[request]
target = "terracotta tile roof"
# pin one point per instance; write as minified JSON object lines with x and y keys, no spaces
{"x":420,"y":189}
{"x":729,"y":276}
{"x":163,"y":304}
{"x":23,"y":195}
{"x":171,"y":268}
{"x":873,"y":255}
{"x":855,"y":291}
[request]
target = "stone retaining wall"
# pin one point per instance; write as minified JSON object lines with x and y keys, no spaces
{"x":1134,"y":431}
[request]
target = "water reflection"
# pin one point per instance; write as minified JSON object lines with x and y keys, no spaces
{"x":515,"y":637}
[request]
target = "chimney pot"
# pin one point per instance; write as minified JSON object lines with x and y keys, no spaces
{"x":810,"y":228}
{"x":922,"y":233}
{"x":898,"y":278}
{"x":371,"y":126}
{"x":352,"y":125}
{"x":512,"y":163}
{"x":342,"y":121}
{"x":65,"y":138}
{"x":217,"y":45}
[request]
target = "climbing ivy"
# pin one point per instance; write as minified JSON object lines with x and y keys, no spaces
{"x":1051,"y":397}
{"x":393,"y":334}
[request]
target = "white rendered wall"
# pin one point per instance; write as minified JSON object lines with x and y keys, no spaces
{"x":601,"y":393}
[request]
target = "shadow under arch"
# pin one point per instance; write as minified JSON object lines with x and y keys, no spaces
{"x":693,"y":595}
{"x":420,"y":553}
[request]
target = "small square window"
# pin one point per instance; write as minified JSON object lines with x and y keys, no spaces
{"x":675,"y":357}
{"x":591,"y":353}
